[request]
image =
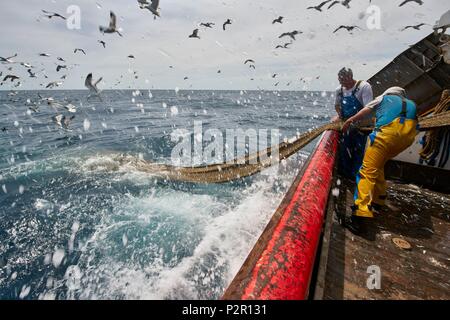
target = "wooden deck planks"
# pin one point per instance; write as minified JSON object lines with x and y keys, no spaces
{"x":419,"y":216}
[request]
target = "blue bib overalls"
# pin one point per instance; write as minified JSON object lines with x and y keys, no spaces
{"x":352,"y":145}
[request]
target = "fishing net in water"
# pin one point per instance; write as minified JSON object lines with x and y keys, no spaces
{"x":254,"y":163}
{"x":237,"y":169}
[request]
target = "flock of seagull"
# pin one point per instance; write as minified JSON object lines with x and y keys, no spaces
{"x":346,"y":4}
{"x":153,"y":6}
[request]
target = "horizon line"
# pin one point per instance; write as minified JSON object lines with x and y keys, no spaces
{"x":162,"y":89}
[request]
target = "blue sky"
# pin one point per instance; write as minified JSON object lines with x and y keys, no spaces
{"x":158,"y":44}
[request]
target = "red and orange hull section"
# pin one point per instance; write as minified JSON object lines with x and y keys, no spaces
{"x":281,"y":263}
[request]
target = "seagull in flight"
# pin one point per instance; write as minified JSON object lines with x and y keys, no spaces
{"x":71,"y":108}
{"x":53,"y":84}
{"x":416,"y":27}
{"x":207,"y":24}
{"x":290,"y":34}
{"x":333,"y":4}
{"x":53,"y":14}
{"x":420,"y":2}
{"x":92,"y":86}
{"x":10,"y":77}
{"x":32,"y":75}
{"x":26,"y":65}
{"x":44,"y":55}
{"x":112,"y":28}
{"x":249,"y":60}
{"x":78,"y":49}
{"x":50,"y":102}
{"x":103,"y":43}
{"x":285,"y":46}
{"x":278,"y":20}
{"x":34,"y":108}
{"x":194,"y":34}
{"x":62,"y":121}
{"x":346,"y":3}
{"x":59,"y":67}
{"x":225,"y":23}
{"x":152,"y":7}
{"x":348,"y":28}
{"x":319,"y":7}
{"x":8,"y":59}
{"x":142,"y":3}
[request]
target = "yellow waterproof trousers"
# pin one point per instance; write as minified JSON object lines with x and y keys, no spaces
{"x":388,"y":142}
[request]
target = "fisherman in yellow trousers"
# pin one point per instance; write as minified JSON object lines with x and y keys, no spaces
{"x":395,"y":130}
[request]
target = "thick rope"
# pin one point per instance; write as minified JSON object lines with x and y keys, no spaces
{"x":252,"y":164}
{"x":239,"y":168}
{"x":434,"y":138}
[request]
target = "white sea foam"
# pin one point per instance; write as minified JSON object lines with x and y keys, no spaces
{"x":213,"y":236}
{"x":58,"y":257}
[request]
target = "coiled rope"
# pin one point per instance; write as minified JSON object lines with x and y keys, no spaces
{"x":434,"y":138}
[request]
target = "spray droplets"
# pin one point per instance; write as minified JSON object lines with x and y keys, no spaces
{"x":48,"y":259}
{"x":86,"y":124}
{"x":174,"y":111}
{"x":73,"y":277}
{"x":58,"y":257}
{"x":24,"y":292}
{"x":75,"y":227}
{"x":335,"y":192}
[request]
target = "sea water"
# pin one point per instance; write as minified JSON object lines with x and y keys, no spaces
{"x":75,"y":225}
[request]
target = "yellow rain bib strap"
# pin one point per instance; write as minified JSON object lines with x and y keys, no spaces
{"x":404,"y":111}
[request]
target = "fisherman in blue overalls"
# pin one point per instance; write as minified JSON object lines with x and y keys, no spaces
{"x":351,"y":97}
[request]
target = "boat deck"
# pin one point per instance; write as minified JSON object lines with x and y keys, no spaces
{"x":420,"y":217}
